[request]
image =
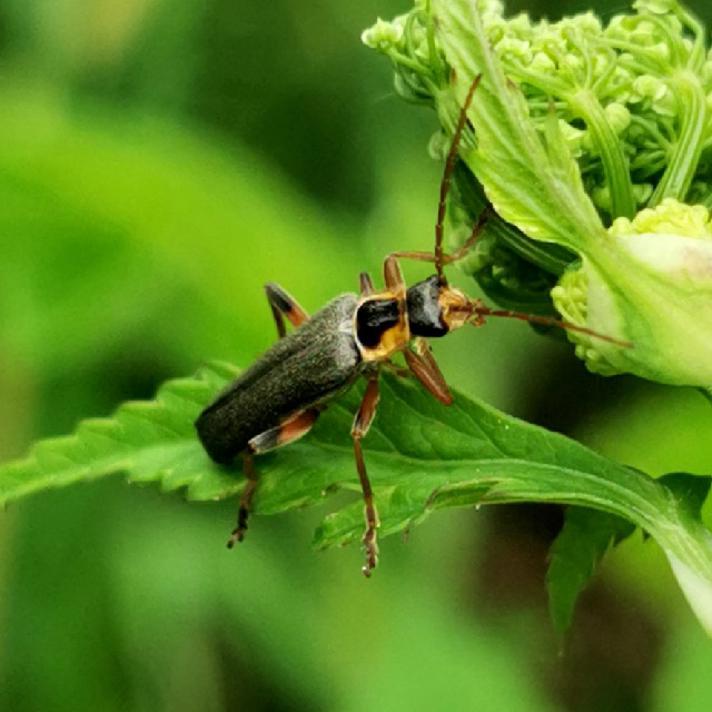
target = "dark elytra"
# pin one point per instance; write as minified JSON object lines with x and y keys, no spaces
{"x":307,"y":366}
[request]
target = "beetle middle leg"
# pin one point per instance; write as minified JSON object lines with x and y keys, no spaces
{"x":286,"y":432}
{"x":284,"y":305}
{"x":362,"y":422}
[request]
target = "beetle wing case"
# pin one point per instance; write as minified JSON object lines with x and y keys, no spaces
{"x":307,"y":366}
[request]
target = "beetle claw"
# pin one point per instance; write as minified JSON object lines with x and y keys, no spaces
{"x":371,"y":545}
{"x":237,"y":535}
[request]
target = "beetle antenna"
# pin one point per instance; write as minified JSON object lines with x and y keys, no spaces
{"x":447,"y":178}
{"x":481,"y":311}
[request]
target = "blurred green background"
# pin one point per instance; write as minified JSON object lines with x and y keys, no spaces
{"x":160,"y":160}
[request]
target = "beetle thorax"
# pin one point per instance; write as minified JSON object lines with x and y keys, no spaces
{"x":381,"y":326}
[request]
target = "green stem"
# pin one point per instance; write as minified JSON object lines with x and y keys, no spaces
{"x":671,"y":38}
{"x":610,"y":148}
{"x":405,"y":61}
{"x":686,"y":153}
{"x":640,"y":59}
{"x":697,"y":55}
{"x":548,"y":85}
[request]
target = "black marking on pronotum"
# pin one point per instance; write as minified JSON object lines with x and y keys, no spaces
{"x":373,"y":318}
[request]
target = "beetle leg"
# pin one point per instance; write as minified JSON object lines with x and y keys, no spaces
{"x":365,"y":284}
{"x":286,"y":432}
{"x":392,"y":275}
{"x":426,"y":370}
{"x":243,"y":511}
{"x":282,"y":304}
{"x":362,"y":422}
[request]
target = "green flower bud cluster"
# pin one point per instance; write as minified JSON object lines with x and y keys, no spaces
{"x":668,"y":218}
{"x":620,"y":90}
{"x":622,"y":111}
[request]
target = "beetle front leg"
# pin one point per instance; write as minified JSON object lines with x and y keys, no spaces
{"x":362,"y":422}
{"x":425,"y":368}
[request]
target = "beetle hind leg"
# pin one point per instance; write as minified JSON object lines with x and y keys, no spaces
{"x":286,"y":432}
{"x":284,"y":305}
{"x":243,"y":511}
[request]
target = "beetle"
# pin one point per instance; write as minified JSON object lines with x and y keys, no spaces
{"x":278,"y":399}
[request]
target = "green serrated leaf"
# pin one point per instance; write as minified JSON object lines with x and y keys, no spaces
{"x":149,"y":441}
{"x":421,"y":455}
{"x":581,"y":544}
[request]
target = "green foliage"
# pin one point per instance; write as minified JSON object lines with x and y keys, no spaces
{"x":533,"y":183}
{"x":162,"y":160}
{"x":423,"y":457}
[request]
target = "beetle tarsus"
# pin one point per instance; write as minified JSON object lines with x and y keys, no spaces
{"x":243,"y":512}
{"x":238,"y":533}
{"x":237,"y":536}
{"x":370,"y":543}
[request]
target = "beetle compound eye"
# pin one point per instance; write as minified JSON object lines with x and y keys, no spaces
{"x":374,"y":318}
